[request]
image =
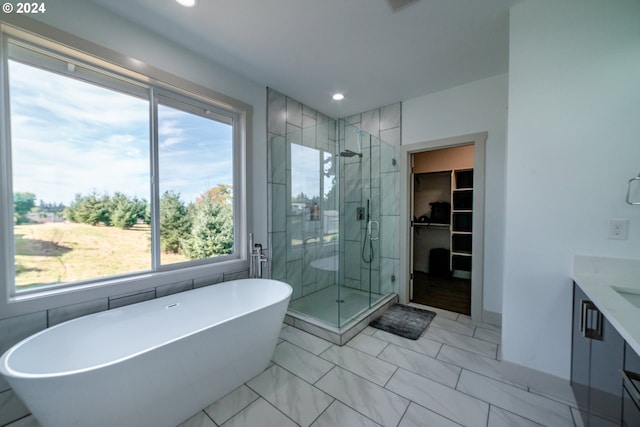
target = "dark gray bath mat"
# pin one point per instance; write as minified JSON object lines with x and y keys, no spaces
{"x":405,"y":321}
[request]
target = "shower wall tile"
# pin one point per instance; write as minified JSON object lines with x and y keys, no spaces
{"x":62,"y":314}
{"x":278,"y":159}
{"x":390,"y":116}
{"x":352,"y":183}
{"x":352,"y":141}
{"x":371,"y":122}
{"x":309,"y":136}
{"x":276,"y":106}
{"x":128,"y":299}
{"x":326,"y":279}
{"x":15,"y":329}
{"x":310,"y":112}
{"x":294,"y":274}
{"x":174,"y":288}
{"x":370,"y":277}
{"x":387,"y":155}
{"x":279,"y":262}
{"x":352,"y":226}
{"x":391,"y":136}
{"x":294,"y":136}
{"x":389,"y":268}
{"x":391,"y":200}
{"x":356,"y":119}
{"x":294,"y":112}
{"x":308,"y":271}
{"x":352,"y":259}
{"x":279,"y":207}
{"x":389,"y":233}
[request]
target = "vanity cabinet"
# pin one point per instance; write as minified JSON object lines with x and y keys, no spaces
{"x":631,"y":391}
{"x":597,"y":356}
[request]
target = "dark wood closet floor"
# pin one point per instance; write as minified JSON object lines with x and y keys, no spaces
{"x":447,"y":293}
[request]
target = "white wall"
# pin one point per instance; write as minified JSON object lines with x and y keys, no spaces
{"x":475,"y":107}
{"x":573,"y":142}
{"x":86,"y":20}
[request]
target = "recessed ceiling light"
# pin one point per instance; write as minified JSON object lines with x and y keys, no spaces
{"x":187,"y":3}
{"x":338,"y":97}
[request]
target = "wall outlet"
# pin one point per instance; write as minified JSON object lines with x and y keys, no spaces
{"x":618,"y":229}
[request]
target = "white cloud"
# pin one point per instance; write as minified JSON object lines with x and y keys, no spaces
{"x":71,"y":137}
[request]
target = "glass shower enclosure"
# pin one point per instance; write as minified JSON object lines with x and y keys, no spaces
{"x":328,"y":186}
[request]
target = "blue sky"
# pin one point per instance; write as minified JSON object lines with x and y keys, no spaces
{"x":71,"y":137}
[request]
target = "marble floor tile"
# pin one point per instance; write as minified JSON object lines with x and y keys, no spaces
{"x":488,"y":335}
{"x":439,"y":312}
{"x":304,"y":340}
{"x":229,"y":405}
{"x":359,"y":363}
{"x":417,"y":416}
{"x":294,"y":397}
{"x":528,"y":405}
{"x":462,"y":341}
{"x":368,"y":344}
{"x":500,"y":418}
{"x":198,"y":420}
{"x":473,"y":362}
{"x":453,"y":326}
{"x":300,"y":362}
{"x":260,"y":413}
{"x":425,"y":366}
{"x":382,"y":406}
{"x":339,"y":414}
{"x":443,"y":400}
{"x":424,"y":346}
{"x":11,"y":407}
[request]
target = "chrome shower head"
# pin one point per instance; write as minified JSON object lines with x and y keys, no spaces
{"x":349,"y":153}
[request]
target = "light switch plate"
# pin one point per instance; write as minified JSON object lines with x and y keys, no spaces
{"x":618,"y":229}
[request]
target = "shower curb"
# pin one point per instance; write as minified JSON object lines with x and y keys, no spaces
{"x":339,"y":336}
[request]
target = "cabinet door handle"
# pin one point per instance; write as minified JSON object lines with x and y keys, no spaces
{"x":590,"y":320}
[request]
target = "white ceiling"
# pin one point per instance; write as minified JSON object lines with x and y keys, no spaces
{"x":309,"y":49}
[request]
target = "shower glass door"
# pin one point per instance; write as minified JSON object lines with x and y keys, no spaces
{"x":328,"y":219}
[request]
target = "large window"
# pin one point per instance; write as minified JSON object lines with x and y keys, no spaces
{"x":110,"y":175}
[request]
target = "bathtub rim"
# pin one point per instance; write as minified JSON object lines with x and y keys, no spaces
{"x":8,"y":372}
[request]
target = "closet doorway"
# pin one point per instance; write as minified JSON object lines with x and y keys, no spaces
{"x":445,"y":189}
{"x":442,"y":228}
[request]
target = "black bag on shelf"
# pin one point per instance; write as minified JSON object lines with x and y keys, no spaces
{"x":440,"y":212}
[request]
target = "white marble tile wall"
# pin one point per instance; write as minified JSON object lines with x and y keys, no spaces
{"x":302,"y":125}
{"x":380,"y":379}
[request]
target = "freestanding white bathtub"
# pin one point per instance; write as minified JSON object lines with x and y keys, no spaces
{"x":150,"y":364}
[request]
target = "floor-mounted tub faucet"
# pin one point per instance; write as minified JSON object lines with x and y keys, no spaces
{"x":257,"y":258}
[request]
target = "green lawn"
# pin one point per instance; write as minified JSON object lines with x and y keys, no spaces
{"x":52,"y":253}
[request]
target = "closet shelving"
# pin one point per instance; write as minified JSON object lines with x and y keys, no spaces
{"x":461,"y":221}
{"x":456,"y":187}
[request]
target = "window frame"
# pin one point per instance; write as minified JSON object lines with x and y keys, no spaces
{"x":158,"y":83}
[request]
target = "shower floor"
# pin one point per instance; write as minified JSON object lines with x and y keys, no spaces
{"x":323,"y":306}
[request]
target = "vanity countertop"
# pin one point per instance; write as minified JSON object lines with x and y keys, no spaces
{"x":613,"y":285}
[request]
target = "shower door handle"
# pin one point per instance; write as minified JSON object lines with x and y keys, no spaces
{"x":373,"y":230}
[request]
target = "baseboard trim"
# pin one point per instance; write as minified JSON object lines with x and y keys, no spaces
{"x":492,"y":318}
{"x":541,"y":382}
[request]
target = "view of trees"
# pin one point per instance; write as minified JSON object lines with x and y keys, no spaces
{"x":198,"y":230}
{"x":22,"y":205}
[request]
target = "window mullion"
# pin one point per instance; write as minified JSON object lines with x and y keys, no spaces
{"x":155,"y":186}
